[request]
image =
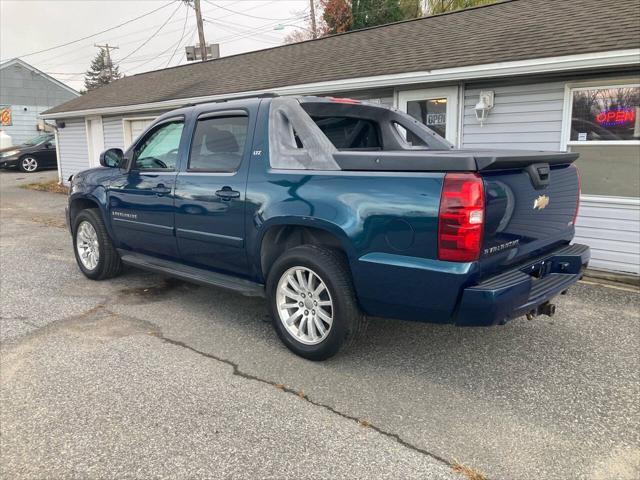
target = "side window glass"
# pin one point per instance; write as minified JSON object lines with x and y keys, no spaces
{"x":158,"y":150}
{"x":349,"y":133}
{"x":408,"y":137}
{"x":218,"y":144}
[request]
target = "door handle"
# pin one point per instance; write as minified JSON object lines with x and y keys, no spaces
{"x":227,"y":194}
{"x":160,"y":189}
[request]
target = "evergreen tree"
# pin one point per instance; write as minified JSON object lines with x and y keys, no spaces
{"x":101,"y":72}
{"x":369,"y":13}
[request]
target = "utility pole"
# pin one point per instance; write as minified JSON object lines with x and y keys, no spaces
{"x":314,"y":30}
{"x":108,"y":48}
{"x":203,"y":45}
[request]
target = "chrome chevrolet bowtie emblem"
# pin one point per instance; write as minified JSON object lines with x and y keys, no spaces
{"x":541,"y":202}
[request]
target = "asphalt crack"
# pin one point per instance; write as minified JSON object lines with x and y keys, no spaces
{"x":298,"y":393}
{"x":24,"y":320}
{"x":102,"y":311}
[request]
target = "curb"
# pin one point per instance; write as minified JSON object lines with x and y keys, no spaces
{"x":612,"y":277}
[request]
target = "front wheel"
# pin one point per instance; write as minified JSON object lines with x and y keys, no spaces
{"x":312,"y":302}
{"x":95,"y":254}
{"x":29,"y":164}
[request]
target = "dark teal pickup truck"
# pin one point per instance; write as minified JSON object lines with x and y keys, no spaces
{"x":335,"y":210}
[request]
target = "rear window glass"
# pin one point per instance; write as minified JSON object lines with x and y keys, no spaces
{"x":218,"y":144}
{"x":411,"y":139}
{"x":349,"y":133}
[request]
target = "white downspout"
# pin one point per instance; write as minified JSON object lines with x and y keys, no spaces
{"x":55,"y":132}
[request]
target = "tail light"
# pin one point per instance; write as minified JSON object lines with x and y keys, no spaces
{"x":575,"y":215}
{"x":461,"y":217}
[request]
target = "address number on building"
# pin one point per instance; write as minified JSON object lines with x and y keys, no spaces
{"x":5,"y":116}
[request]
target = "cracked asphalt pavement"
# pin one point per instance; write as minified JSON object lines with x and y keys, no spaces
{"x":147,"y":377}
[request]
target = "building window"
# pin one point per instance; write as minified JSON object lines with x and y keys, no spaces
{"x":605,"y":131}
{"x":605,"y":114}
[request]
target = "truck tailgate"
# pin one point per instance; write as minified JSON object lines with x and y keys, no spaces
{"x":531,"y":197}
{"x":529,"y":210}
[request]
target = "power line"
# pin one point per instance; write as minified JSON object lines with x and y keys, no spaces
{"x":256,"y":31}
{"x":184,"y":27}
{"x":243,"y":29}
{"x":153,"y":35}
{"x":243,"y":33}
{"x":164,"y":53}
{"x":65,"y":73}
{"x":184,"y":52}
{"x":96,"y":34}
{"x":53,"y":65}
{"x":150,"y":57}
{"x":84,"y":55}
{"x":242,"y":13}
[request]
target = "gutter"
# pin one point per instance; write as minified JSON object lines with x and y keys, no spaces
{"x":614,"y":58}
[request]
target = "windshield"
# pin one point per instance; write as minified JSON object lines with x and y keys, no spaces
{"x":43,"y":137}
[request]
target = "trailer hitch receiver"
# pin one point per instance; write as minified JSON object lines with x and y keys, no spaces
{"x":546,"y":308}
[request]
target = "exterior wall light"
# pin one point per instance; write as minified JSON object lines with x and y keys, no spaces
{"x":484,"y":105}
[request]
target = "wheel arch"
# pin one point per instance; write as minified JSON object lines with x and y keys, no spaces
{"x":282,"y":235}
{"x":83,"y":202}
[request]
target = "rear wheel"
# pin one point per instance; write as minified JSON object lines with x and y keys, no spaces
{"x":313,"y":303}
{"x":95,"y":254}
{"x":29,"y":164}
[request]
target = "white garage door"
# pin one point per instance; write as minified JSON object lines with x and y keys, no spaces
{"x":133,"y":128}
{"x":138,"y":126}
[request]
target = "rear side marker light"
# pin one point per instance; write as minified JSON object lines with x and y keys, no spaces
{"x":461,"y":217}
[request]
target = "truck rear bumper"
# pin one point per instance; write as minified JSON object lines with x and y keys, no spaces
{"x":514,"y":293}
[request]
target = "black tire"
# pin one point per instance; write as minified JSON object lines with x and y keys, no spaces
{"x":24,"y":168}
{"x":109,"y":264}
{"x":348,"y":321}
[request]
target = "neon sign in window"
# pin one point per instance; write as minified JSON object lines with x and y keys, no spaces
{"x":602,"y":114}
{"x":611,"y":118}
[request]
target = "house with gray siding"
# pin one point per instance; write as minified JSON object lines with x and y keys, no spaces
{"x":26,"y":92}
{"x":526,"y":74}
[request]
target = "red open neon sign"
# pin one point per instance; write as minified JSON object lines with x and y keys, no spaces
{"x":616,"y":117}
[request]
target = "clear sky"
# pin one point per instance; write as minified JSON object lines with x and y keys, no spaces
{"x":28,"y":26}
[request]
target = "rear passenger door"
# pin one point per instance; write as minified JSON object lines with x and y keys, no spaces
{"x":210,"y":192}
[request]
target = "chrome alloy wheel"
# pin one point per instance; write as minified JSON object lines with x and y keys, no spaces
{"x":304,"y":305}
{"x":87,"y":245}
{"x":29,"y":164}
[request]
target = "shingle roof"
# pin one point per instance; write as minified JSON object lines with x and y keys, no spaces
{"x":22,"y":63}
{"x":509,"y":31}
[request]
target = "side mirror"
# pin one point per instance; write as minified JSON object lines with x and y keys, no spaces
{"x":111,"y":158}
{"x":48,"y":145}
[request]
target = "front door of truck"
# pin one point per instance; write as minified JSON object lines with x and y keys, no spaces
{"x":141,"y":198}
{"x":210,"y":192}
